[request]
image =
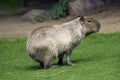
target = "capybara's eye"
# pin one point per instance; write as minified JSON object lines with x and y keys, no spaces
{"x":89,"y":21}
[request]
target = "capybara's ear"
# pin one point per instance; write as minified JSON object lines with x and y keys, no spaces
{"x":81,"y":18}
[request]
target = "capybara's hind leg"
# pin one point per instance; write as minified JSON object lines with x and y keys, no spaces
{"x":48,"y":63}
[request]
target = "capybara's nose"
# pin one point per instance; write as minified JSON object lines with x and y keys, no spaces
{"x":98,"y":26}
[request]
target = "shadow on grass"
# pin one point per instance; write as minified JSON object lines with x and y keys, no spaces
{"x":34,"y":67}
{"x":75,"y":61}
{"x":80,"y":60}
{"x":87,"y":59}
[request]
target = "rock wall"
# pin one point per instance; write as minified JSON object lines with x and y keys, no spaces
{"x":85,"y":7}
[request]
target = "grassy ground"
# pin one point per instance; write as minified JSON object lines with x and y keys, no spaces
{"x":97,"y":58}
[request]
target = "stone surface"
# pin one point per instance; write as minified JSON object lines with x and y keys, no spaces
{"x":85,"y":7}
{"x":32,"y":14}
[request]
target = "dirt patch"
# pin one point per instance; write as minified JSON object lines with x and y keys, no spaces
{"x":14,"y":26}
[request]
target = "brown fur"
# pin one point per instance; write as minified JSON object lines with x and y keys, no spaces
{"x":49,"y":42}
{"x":39,"y":29}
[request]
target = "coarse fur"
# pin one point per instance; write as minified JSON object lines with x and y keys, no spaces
{"x":49,"y":42}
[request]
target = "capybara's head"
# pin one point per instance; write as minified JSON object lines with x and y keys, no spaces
{"x":91,"y":25}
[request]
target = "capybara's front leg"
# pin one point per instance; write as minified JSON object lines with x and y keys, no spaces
{"x":60,"y":60}
{"x":41,"y":65}
{"x":68,"y":56}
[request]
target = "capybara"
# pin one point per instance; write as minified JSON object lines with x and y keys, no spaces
{"x":49,"y":42}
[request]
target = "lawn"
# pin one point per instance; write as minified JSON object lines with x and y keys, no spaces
{"x":97,"y":58}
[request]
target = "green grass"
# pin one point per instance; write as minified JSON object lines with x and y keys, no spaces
{"x":97,"y":58}
{"x":9,"y":4}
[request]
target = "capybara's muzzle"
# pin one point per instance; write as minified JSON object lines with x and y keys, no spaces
{"x":98,"y":26}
